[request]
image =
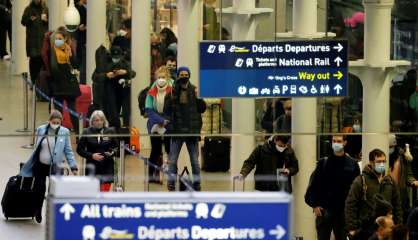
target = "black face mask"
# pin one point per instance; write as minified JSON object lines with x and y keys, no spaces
{"x":183,"y":80}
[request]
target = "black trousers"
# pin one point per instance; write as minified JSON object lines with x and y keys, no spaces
{"x":5,"y":30}
{"x":330,"y":221}
{"x":35,"y":65}
{"x":40,"y":172}
{"x":118,"y":99}
{"x":156,"y":156}
{"x":71,"y":105}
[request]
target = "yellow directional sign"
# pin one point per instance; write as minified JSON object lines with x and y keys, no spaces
{"x":338,"y":75}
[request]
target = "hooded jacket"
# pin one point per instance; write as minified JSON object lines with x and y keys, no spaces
{"x":266,"y":160}
{"x":361,"y":200}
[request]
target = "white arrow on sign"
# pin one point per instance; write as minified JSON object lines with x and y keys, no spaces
{"x":279,"y":232}
{"x":338,"y":88}
{"x":67,"y":209}
{"x":338,"y":60}
{"x":339,"y":48}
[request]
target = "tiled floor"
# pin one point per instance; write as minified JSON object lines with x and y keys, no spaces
{"x":11,"y":101}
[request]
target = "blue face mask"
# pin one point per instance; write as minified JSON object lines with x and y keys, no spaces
{"x":337,"y":147}
{"x":59,"y":42}
{"x":379,"y":168}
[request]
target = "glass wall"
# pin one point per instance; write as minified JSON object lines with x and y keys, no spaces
{"x":345,"y":19}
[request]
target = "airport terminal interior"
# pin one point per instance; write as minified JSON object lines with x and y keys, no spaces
{"x":371,"y":96}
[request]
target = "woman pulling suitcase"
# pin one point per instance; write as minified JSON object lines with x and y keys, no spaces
{"x":99,"y":148}
{"x":51,"y":145}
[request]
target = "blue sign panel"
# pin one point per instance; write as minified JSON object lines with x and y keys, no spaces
{"x":171,"y":220}
{"x":273,"y":69}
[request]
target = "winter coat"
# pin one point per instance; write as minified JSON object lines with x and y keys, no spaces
{"x":35,"y":30}
{"x":62,"y":77}
{"x":99,"y":78}
{"x":154,"y":117}
{"x":360,"y":203}
{"x":330,"y":182}
{"x":186,"y":118}
{"x":5,"y":12}
{"x":82,"y":35}
{"x":88,"y":145}
{"x":62,"y":148}
{"x":266,"y":160}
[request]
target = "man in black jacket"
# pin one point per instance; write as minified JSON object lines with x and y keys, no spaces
{"x":185,"y":110}
{"x":328,"y":188}
{"x":271,"y":159}
{"x":118,"y":88}
{"x":35,"y":19}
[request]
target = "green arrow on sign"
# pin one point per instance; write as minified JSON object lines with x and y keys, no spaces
{"x":338,"y":75}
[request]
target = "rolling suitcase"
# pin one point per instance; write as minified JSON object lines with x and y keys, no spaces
{"x":19,"y":198}
{"x":82,"y":104}
{"x":216,"y":150}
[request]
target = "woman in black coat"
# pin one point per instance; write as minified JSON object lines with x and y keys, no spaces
{"x":64,"y":83}
{"x":99,"y":148}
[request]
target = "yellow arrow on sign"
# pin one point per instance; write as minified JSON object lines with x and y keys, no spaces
{"x":338,"y":75}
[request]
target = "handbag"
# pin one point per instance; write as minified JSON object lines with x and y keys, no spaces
{"x":184,"y":179}
{"x":74,"y":86}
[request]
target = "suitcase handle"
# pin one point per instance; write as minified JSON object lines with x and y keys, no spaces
{"x":238,"y":178}
{"x":22,"y":180}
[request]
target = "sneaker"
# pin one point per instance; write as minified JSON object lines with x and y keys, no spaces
{"x":7,"y":57}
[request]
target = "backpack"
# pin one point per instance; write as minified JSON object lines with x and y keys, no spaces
{"x":309,"y":195}
{"x":141,"y":100}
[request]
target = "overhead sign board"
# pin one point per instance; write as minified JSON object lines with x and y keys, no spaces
{"x":273,"y":69}
{"x":160,"y":216}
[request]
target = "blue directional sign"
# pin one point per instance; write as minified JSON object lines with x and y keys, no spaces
{"x":273,"y":69}
{"x":182,"y":218}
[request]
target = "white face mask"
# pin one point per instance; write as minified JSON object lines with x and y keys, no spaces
{"x":356,"y":128}
{"x":54,"y":126}
{"x":280,"y":149}
{"x":161,"y":82}
{"x":122,"y":33}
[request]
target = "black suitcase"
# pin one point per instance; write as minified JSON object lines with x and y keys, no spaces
{"x":216,"y":154}
{"x":19,"y":198}
{"x":216,"y":150}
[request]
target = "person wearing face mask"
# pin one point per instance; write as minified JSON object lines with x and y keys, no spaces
{"x":98,"y":147}
{"x":328,"y":188}
{"x":158,"y":120}
{"x":63,"y":84}
{"x":185,"y":109}
{"x":361,"y":200}
{"x":52,"y":146}
{"x":123,"y":39}
{"x":35,"y":19}
{"x":118,"y":88}
{"x":274,"y":157}
{"x":401,"y":172}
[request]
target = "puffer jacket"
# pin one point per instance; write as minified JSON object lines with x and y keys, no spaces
{"x":186,"y":118}
{"x":266,"y":160}
{"x":360,"y":202}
